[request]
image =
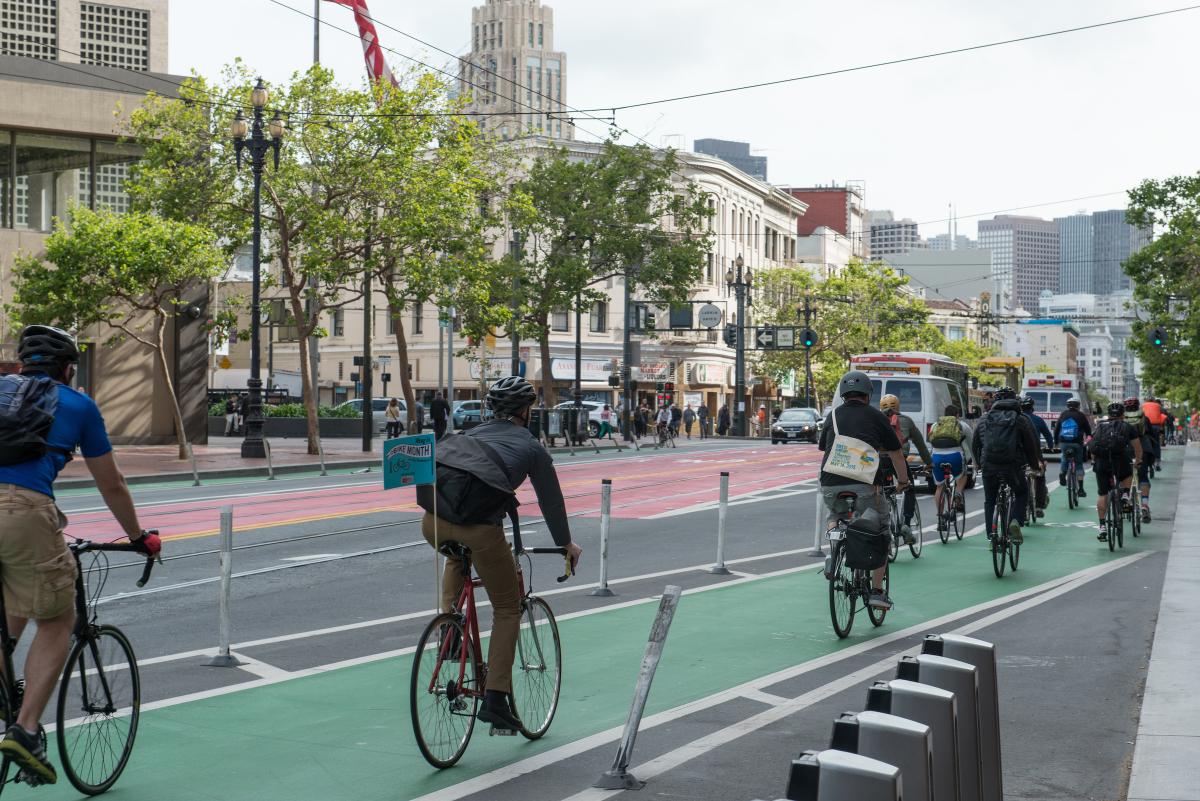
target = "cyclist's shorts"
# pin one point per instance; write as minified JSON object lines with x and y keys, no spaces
{"x":948,"y":456}
{"x":1104,"y":470}
{"x":1072,"y":451}
{"x":36,"y":568}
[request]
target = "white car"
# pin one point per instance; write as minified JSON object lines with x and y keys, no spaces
{"x":379,"y":411}
{"x":593,"y":410}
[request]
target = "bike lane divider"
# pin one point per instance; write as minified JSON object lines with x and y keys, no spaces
{"x":344,"y":732}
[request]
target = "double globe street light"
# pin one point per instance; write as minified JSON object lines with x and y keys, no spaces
{"x":741,"y":284}
{"x":258,"y":144}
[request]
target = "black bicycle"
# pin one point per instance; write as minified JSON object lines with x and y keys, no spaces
{"x":895,"y":501}
{"x":848,"y":586}
{"x":99,"y":695}
{"x":1004,"y":548}
{"x":1114,"y":515}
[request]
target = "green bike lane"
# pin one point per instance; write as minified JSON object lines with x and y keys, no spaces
{"x":345,"y":733}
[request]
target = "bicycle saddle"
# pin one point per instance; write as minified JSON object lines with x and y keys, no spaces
{"x":454,"y":548}
{"x":847,"y":494}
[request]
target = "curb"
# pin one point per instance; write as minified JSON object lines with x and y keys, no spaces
{"x":230,"y":472}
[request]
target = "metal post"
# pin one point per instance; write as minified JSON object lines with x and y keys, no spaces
{"x":818,"y":528}
{"x":441,"y":360}
{"x":719,"y":568}
{"x":450,"y":357}
{"x":252,"y":447}
{"x":192,"y":458}
{"x":515,"y":248}
{"x":808,"y":377}
{"x":368,"y":421}
{"x":321,"y":453}
{"x":627,"y":368}
{"x":618,"y":776}
{"x":270,"y":464}
{"x":223,"y":657}
{"x":605,"y":523}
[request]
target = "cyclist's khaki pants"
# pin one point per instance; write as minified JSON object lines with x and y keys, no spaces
{"x":37,"y":570}
{"x":870,"y":504}
{"x":493,"y":560}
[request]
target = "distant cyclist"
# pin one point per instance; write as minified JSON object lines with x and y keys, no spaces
{"x":1135,"y":418}
{"x":1041,"y":430}
{"x":1115,"y":442}
{"x":509,"y":440}
{"x":908,"y":432}
{"x":1004,"y":445}
{"x":38,"y":569}
{"x":950,"y":439}
{"x":1071,"y":431}
{"x":856,"y":418}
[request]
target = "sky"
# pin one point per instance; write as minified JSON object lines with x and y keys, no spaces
{"x":1061,"y":124}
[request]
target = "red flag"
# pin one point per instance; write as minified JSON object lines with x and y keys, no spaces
{"x":377,"y":67}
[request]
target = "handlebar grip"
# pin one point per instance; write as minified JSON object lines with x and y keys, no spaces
{"x":146,"y":571}
{"x":570,"y":570}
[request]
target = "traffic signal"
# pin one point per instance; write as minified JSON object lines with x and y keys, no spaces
{"x":1158,"y":337}
{"x":660,"y":387}
{"x":808,"y":338}
{"x":731,"y":335}
{"x":669,"y":388}
{"x":650,"y":321}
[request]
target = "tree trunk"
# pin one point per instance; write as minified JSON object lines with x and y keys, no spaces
{"x":406,"y":388}
{"x":160,"y":352}
{"x":483,"y":370}
{"x":308,"y":392}
{"x":546,"y":379}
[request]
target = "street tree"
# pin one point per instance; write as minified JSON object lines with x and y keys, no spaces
{"x":127,"y":273}
{"x":623,"y":212}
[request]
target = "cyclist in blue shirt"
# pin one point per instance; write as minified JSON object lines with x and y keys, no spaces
{"x":1071,"y":430}
{"x":36,"y":568}
{"x":1040,"y":429}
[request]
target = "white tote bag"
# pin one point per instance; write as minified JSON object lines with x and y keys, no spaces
{"x":851,"y":458}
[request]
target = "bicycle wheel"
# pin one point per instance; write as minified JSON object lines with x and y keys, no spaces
{"x":1135,"y":522}
{"x":9,"y":715}
{"x":443,"y":711}
{"x":1114,"y":518}
{"x":1072,"y":489}
{"x":841,"y":594}
{"x":960,"y":515}
{"x":537,"y":674}
{"x":945,"y":515}
{"x":1014,"y":555}
{"x":877,"y":615}
{"x":999,"y":534}
{"x":1031,"y":504}
{"x":99,"y":703}
{"x":918,"y":532}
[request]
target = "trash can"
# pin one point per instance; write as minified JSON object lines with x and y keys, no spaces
{"x":897,"y":741}
{"x":937,"y":709}
{"x":960,"y":678}
{"x":838,"y":776}
{"x":536,"y":422}
{"x":983,"y":656}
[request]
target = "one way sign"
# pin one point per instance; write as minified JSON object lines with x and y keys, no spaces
{"x":765,"y":337}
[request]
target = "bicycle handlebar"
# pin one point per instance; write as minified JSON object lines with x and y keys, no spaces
{"x":561,"y":552}
{"x":83,"y":546}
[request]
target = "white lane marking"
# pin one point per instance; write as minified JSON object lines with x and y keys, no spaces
{"x":754,"y":496}
{"x":310,"y":557}
{"x":765,"y":697}
{"x":498,"y":776}
{"x":217,"y":499}
{"x":259,"y":668}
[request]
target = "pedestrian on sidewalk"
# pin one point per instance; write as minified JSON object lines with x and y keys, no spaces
{"x":760,"y":420}
{"x":702,"y":418}
{"x":240,"y":411}
{"x":689,"y":417}
{"x":641,"y":420}
{"x":676,"y":418}
{"x":393,"y":418}
{"x":230,"y":415}
{"x":439,"y":411}
{"x":605,"y":422}
{"x":723,"y":421}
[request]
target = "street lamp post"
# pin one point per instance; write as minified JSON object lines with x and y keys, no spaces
{"x":740,"y":283}
{"x":258,"y":145}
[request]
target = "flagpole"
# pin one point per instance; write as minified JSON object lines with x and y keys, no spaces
{"x":316,"y":31}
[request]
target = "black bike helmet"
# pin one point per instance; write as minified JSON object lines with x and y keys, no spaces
{"x":1026,"y":403}
{"x":854,"y":382}
{"x":45,"y":344}
{"x":1132,"y":404}
{"x":1073,"y":403}
{"x":1116,"y":409}
{"x":511,"y":395}
{"x":1004,"y":393}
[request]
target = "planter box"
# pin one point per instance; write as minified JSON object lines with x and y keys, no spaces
{"x":297,"y":427}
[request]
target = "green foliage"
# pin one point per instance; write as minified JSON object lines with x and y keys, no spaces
{"x":291,"y":410}
{"x":1166,"y":280}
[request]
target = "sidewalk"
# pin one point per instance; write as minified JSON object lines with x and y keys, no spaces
{"x":1165,"y":764}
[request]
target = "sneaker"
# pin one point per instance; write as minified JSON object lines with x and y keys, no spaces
{"x":1102,"y":535}
{"x":1040,"y":513}
{"x":906,"y":532}
{"x":1146,"y":512}
{"x":879,"y":600}
{"x":960,"y":503}
{"x":1062,"y":479}
{"x":29,"y":752}
{"x":1082,"y":493}
{"x":1125,"y":504}
{"x":1014,"y":532}
{"x":496,"y":711}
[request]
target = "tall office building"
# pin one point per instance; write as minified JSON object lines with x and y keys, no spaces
{"x":946,"y":242}
{"x":735,"y":153}
{"x":516,"y":81}
{"x":1076,"y":265}
{"x":1093,"y":248}
{"x":890,"y":237}
{"x":1025,"y":258}
{"x":131,"y":34}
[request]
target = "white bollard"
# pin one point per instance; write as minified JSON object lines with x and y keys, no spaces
{"x":818,"y":524}
{"x":270,"y":466}
{"x":605,"y":523}
{"x":719,"y":568}
{"x":192,"y":458}
{"x":223,"y":657}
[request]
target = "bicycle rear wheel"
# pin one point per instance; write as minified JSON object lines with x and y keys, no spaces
{"x":537,"y":674}
{"x":918,"y":532}
{"x":841,"y":594}
{"x":1014,"y":555}
{"x":10,"y":716}
{"x":442,"y":710}
{"x":999,"y":534}
{"x":945,"y":515}
{"x":1135,"y":522}
{"x":877,"y":615}
{"x":960,"y":515}
{"x":1072,"y":489}
{"x":99,"y":703}
{"x":1114,"y":519}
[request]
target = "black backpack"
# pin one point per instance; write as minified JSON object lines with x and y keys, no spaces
{"x":1000,"y":440}
{"x":1110,"y":441}
{"x":27,"y":407}
{"x":472,"y":485}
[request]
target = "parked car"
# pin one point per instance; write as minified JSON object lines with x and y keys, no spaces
{"x":379,"y":412}
{"x":471,"y":412}
{"x":593,"y":409}
{"x":795,"y":425}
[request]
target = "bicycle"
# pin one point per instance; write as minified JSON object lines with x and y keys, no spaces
{"x":666,"y":436}
{"x":895,"y":526}
{"x":847,"y":585}
{"x":100,"y":688}
{"x":1031,"y":510}
{"x":1004,"y":549}
{"x":952,"y":509}
{"x":1072,"y":482}
{"x":449,"y":673}
{"x":1115,"y":514}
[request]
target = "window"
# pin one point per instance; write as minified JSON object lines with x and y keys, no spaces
{"x":500,"y":35}
{"x":114,"y":36}
{"x":558,"y":320}
{"x":708,"y":272}
{"x":418,"y":311}
{"x":540,"y":34}
{"x":30,"y":28}
{"x":49,"y":170}
{"x":337,"y":322}
{"x":599,"y":317}
{"x":341,"y":371}
{"x":909,"y":393}
{"x":531,"y":34}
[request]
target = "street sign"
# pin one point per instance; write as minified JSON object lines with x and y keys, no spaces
{"x":771,"y":337}
{"x":785,"y":338}
{"x":709,"y":315}
{"x":765,"y":338}
{"x":408,"y":461}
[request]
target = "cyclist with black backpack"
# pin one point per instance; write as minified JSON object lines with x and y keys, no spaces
{"x":1004,"y":444}
{"x":42,"y":421}
{"x":478,"y":474}
{"x":1115,"y":448}
{"x":1071,"y":430}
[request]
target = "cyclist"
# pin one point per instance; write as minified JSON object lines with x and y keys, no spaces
{"x":1135,"y":418}
{"x":510,"y":400}
{"x":1071,"y":430}
{"x":1156,"y":423}
{"x":856,"y":418}
{"x":1005,"y":443}
{"x":1040,"y":430}
{"x":38,"y":570}
{"x":663,"y":422}
{"x":950,"y":438}
{"x":1111,"y":451}
{"x":908,"y":432}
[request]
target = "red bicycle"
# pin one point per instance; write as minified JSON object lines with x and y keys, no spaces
{"x":449,"y":673}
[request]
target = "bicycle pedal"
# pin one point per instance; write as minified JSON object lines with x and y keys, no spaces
{"x":27,"y":777}
{"x":501,"y":731}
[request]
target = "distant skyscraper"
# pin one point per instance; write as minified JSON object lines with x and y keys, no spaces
{"x":512,"y":74}
{"x":1093,"y":248}
{"x":1076,"y":263}
{"x":888,"y":236}
{"x":736,"y":153}
{"x":944,"y":242}
{"x":1025,"y":258}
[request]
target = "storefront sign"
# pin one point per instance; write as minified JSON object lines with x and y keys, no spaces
{"x":589,"y":369}
{"x":655,"y":371}
{"x":701,"y":374}
{"x":497,"y":367}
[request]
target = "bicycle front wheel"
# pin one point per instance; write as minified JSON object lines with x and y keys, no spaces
{"x":99,"y":703}
{"x":1135,"y":526}
{"x":877,"y":615}
{"x":841,"y":594}
{"x":444,"y":693}
{"x":537,"y":674}
{"x":945,"y":514}
{"x":10,"y":717}
{"x":918,"y":533}
{"x":999,"y":536}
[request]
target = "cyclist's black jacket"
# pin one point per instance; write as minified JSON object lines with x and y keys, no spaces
{"x":1081,"y":420}
{"x":1027,"y":444}
{"x":525,"y":457}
